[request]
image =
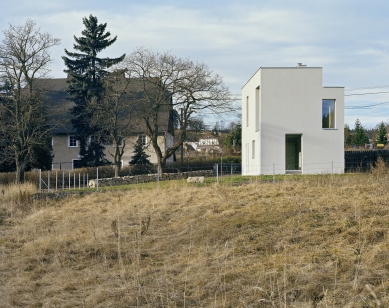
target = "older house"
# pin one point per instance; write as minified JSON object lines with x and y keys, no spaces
{"x":65,"y":144}
{"x":291,"y":123}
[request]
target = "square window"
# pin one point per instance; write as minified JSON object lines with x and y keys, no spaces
{"x":328,"y":113}
{"x":73,"y":142}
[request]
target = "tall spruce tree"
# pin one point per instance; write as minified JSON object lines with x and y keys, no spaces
{"x":86,"y":72}
{"x":360,"y":137}
{"x":381,"y":134}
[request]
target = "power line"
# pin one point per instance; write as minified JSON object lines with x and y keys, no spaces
{"x":365,"y":106}
{"x":365,"y":88}
{"x":369,"y":93}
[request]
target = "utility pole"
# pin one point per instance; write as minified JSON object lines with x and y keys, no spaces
{"x":182,"y":145}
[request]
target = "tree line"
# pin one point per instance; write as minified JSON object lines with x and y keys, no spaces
{"x":359,"y":136}
{"x":113,"y":97}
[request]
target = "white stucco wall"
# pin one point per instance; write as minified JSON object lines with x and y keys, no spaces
{"x":290,"y":103}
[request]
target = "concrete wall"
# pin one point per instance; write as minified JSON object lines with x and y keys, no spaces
{"x":290,"y":102}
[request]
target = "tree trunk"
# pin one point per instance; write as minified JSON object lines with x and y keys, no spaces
{"x":20,"y":167}
{"x":117,"y":170}
{"x":160,"y":165}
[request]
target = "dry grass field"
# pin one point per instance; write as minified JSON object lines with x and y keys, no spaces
{"x":316,"y":242}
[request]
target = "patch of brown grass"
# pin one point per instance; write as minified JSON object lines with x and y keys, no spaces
{"x":318,"y":242}
{"x":15,"y":198}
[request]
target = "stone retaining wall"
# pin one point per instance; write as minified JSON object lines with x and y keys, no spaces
{"x":145,"y":178}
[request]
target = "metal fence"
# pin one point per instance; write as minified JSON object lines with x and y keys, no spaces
{"x":61,"y":180}
{"x":77,"y":179}
{"x":364,"y":160}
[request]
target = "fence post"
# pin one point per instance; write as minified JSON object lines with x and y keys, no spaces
{"x":158,"y":175}
{"x":63,"y":180}
{"x":217,"y":173}
{"x":221,"y":166}
{"x":79,"y":180}
{"x":332,"y":167}
{"x":74,"y":181}
{"x":231,"y":168}
{"x":87,"y":182}
{"x":40,"y":180}
{"x":56,"y":180}
{"x":97,"y":179}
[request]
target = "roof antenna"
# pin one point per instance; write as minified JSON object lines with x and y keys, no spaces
{"x":301,"y":65}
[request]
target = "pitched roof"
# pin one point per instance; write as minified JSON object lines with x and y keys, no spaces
{"x":58,"y":106}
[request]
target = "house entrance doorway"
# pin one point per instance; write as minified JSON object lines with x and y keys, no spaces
{"x":293,"y":154}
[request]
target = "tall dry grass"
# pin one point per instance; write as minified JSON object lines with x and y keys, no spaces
{"x":321,"y":241}
{"x":15,"y":198}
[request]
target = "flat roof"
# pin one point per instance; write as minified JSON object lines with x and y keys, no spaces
{"x":281,"y":67}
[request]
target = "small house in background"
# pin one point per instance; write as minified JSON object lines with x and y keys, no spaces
{"x":291,"y":123}
{"x":209,"y":145}
{"x":65,"y":144}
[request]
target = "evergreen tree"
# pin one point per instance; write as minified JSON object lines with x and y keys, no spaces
{"x":360,"y":137}
{"x":234,"y":137}
{"x":382,"y":134}
{"x":86,"y":72}
{"x":348,"y":136}
{"x":140,"y":157}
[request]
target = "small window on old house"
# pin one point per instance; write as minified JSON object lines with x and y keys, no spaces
{"x":72,"y":142}
{"x":143,"y":138}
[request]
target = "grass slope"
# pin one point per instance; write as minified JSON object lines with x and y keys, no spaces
{"x":315,"y":242}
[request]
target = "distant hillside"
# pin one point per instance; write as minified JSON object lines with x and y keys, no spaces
{"x":315,"y":242}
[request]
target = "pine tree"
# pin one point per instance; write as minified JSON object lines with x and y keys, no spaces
{"x":382,"y":134}
{"x":140,"y":157}
{"x":348,"y":136}
{"x":360,"y":137}
{"x":86,"y":72}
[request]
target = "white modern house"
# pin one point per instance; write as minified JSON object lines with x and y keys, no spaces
{"x":291,"y":123}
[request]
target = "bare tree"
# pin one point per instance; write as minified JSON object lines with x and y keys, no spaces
{"x":113,"y":114}
{"x":24,"y":58}
{"x":177,"y":86}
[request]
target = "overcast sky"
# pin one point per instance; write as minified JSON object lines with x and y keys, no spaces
{"x":349,"y":39}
